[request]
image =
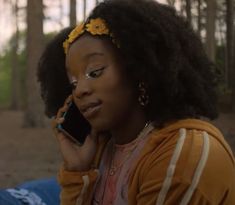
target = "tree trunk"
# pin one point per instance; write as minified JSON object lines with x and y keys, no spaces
{"x":199,"y":23}
{"x":210,"y":29}
{"x":188,"y":11}
{"x":72,"y":13}
{"x":230,"y":41}
{"x":15,"y":81}
{"x":230,"y":49}
{"x":34,"y":116}
{"x":61,"y":14}
{"x":233,"y":74}
{"x":84,"y":9}
{"x":171,"y":2}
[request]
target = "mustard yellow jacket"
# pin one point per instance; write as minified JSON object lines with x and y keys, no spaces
{"x":187,"y":162}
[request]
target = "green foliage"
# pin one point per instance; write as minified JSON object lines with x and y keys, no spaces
{"x":220,"y":57}
{"x":5,"y":74}
{"x":220,"y":63}
{"x":5,"y":68}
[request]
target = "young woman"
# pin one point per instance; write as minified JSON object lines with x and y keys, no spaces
{"x":139,"y":75}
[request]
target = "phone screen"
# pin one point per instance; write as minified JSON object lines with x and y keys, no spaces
{"x":75,"y":126}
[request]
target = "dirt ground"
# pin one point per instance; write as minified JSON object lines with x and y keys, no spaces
{"x":27,"y":154}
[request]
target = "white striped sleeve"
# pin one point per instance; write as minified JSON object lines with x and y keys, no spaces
{"x":204,"y":156}
{"x":86,"y":182}
{"x":171,"y":168}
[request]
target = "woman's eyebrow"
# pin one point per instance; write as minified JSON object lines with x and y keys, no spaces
{"x":86,"y":57}
{"x":89,"y":55}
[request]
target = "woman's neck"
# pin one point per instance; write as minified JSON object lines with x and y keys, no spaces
{"x":129,"y":129}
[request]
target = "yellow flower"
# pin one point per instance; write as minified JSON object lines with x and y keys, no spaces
{"x":66,"y":46}
{"x":97,"y":27}
{"x":77,"y":31}
{"x":94,"y":27}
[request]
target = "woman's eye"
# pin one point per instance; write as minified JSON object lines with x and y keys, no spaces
{"x":95,"y":73}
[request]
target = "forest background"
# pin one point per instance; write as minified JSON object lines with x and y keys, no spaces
{"x":28,"y":149}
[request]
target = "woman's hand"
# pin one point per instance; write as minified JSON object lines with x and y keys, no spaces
{"x":76,"y":158}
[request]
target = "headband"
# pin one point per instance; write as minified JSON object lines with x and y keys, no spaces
{"x":95,"y":26}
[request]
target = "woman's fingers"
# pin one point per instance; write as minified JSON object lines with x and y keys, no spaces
{"x":65,"y":107}
{"x":65,"y":142}
{"x":75,"y":157}
{"x":69,"y":152}
{"x":69,"y":99}
{"x":59,"y":117}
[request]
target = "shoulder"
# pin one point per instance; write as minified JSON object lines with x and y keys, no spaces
{"x":191,"y":153}
{"x":188,"y":144}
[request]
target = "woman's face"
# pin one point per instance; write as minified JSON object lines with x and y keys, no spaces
{"x":101,"y":91}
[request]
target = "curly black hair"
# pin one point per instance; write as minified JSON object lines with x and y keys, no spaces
{"x":160,"y":49}
{"x":51,"y":74}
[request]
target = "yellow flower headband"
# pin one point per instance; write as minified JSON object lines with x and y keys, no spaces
{"x":94,"y":26}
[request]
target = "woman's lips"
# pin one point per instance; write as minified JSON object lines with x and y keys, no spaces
{"x":90,"y":109}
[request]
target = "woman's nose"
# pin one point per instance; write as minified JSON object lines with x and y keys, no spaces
{"x":83,"y":88}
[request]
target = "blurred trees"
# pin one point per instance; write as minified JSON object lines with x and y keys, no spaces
{"x":230,"y":36}
{"x":73,"y":13}
{"x":16,"y":84}
{"x":84,"y":9}
{"x":230,"y":41}
{"x":12,"y":59}
{"x":214,"y":20}
{"x":34,"y":116}
{"x":171,"y":2}
{"x":5,"y":79}
{"x":188,"y":10}
{"x":210,"y":28}
{"x":11,"y":71}
{"x":199,"y":17}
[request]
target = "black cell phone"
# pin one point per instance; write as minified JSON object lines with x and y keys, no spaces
{"x":75,"y":126}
